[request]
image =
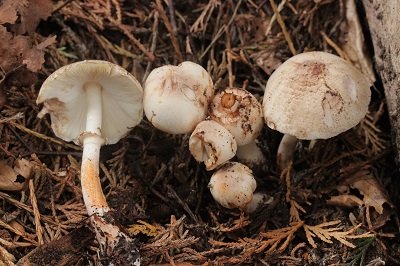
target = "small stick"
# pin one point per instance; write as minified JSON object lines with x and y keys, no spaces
{"x":36,"y":213}
{"x":283,"y":27}
{"x":170,"y":29}
{"x":153,"y":45}
{"x":44,"y":137}
{"x":125,"y":30}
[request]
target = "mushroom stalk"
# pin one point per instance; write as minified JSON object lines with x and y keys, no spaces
{"x":286,"y":150}
{"x":93,"y":196}
{"x":250,"y":154}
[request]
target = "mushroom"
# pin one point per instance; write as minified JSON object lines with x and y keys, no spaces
{"x":241,"y":113}
{"x":314,"y":95}
{"x":93,"y":103}
{"x":233,"y":185}
{"x":250,"y":154}
{"x":176,"y":98}
{"x":212,"y":144}
{"x":259,"y":199}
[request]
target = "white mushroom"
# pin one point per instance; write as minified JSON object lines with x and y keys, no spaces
{"x":233,"y":185}
{"x":241,"y":113}
{"x":176,"y":98}
{"x":93,"y":103}
{"x":314,"y":95}
{"x":250,"y":154}
{"x":212,"y":144}
{"x":258,"y":200}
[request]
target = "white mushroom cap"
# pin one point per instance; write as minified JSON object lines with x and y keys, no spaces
{"x":176,"y":98}
{"x":233,"y":185}
{"x":64,"y":97}
{"x":239,"y":112}
{"x":212,"y":144}
{"x":315,"y":95}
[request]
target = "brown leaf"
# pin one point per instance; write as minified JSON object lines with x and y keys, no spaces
{"x":11,"y":49}
{"x":366,"y":183}
{"x":31,"y":14}
{"x":34,"y":58}
{"x":345,"y":201}
{"x":23,"y":167}
{"x":8,"y":12}
{"x":8,"y":178}
{"x":18,"y":50}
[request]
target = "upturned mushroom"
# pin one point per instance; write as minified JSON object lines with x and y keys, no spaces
{"x":233,"y":185}
{"x":176,"y":98}
{"x":212,"y":144}
{"x":93,"y":103}
{"x":240,"y":112}
{"x":314,"y":95}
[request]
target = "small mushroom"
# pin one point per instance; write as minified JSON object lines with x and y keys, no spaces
{"x":93,"y":103}
{"x":241,"y":113}
{"x":314,"y":95}
{"x":251,"y":155}
{"x":212,"y":144}
{"x":233,"y":185}
{"x":258,"y":200}
{"x":176,"y":98}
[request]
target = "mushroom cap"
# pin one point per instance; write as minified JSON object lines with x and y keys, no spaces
{"x":64,"y":97}
{"x":239,"y":112}
{"x":212,"y":144}
{"x":233,"y":185}
{"x":315,"y":95}
{"x":176,"y":98}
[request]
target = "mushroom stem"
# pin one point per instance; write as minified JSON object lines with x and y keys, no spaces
{"x":286,"y":150}
{"x":250,"y":154}
{"x":94,"y":114}
{"x":107,"y":234}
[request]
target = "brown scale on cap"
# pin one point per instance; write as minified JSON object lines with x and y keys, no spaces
{"x":239,"y":112}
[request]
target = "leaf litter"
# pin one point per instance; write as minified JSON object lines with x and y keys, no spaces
{"x":336,"y":191}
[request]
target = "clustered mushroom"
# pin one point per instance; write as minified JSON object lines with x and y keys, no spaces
{"x":314,"y":95}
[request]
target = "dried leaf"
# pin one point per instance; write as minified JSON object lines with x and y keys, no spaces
{"x":11,"y":49}
{"x":345,"y":201}
{"x":23,"y":167}
{"x":31,"y":14}
{"x":8,"y":178}
{"x":17,"y":50}
{"x":374,"y":194}
{"x":34,"y":58}
{"x":8,"y":11}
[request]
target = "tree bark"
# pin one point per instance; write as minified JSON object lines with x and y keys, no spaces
{"x":383,"y":18}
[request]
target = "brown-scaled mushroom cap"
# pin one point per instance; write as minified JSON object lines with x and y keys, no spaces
{"x":315,"y":95}
{"x":238,"y":111}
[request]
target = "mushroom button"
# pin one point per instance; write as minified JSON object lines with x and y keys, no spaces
{"x":233,"y":185}
{"x":93,"y":103}
{"x":314,"y":95}
{"x":212,"y":144}
{"x":176,"y":98}
{"x":241,"y":113}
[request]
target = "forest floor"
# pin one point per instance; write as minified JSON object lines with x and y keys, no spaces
{"x":334,"y":206}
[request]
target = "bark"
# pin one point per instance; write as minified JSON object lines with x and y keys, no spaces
{"x":384,"y":23}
